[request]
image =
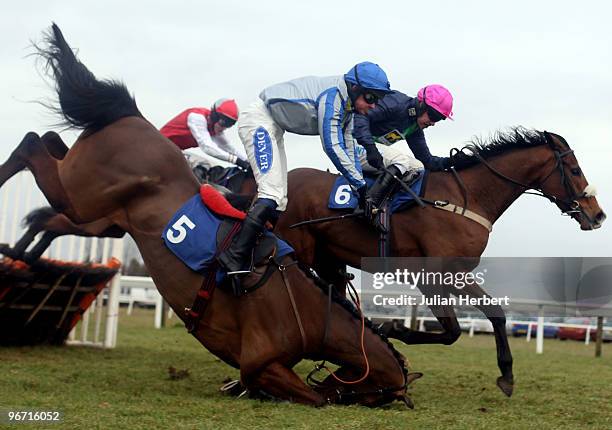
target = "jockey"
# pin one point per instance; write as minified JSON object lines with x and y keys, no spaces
{"x":204,"y":128}
{"x":310,"y":105}
{"x":400,"y":117}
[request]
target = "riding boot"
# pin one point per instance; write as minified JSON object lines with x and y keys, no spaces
{"x":381,"y":189}
{"x":376,"y":194}
{"x":237,"y":259}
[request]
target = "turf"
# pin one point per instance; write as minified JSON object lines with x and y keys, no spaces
{"x":129,"y":387}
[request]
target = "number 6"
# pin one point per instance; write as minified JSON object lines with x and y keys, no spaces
{"x":343,"y":194}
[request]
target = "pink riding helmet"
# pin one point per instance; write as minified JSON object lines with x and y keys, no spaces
{"x":437,"y":97}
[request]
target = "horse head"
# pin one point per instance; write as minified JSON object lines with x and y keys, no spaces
{"x":567,"y":187}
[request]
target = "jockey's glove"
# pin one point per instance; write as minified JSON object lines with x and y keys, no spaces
{"x":244,"y":165}
{"x":374,"y":158}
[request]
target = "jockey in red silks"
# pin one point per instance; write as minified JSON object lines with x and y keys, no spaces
{"x":203,"y":128}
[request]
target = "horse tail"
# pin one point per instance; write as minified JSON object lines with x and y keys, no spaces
{"x":84,"y":101}
{"x":38,"y":217}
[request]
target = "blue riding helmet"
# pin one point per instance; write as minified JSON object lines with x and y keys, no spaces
{"x":369,"y":76}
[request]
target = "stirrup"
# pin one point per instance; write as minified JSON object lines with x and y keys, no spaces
{"x":239,"y":272}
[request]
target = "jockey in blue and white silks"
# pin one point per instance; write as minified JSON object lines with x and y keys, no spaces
{"x":310,"y":105}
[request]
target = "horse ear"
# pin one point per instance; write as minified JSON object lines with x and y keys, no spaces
{"x":549,"y":139}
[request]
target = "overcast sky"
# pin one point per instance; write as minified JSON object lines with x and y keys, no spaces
{"x":542,"y":64}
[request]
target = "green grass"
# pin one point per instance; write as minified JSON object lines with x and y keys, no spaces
{"x":129,"y":387}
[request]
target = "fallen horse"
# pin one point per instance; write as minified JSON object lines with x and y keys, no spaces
{"x":123,"y":170}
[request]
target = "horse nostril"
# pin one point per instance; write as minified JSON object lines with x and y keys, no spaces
{"x":600,"y":217}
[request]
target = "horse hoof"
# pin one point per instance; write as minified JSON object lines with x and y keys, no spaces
{"x":505,"y":386}
{"x":413,"y":377}
{"x":7,"y":251}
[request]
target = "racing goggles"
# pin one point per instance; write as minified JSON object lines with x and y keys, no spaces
{"x":370,"y":97}
{"x":434,"y":115}
{"x":225,"y":121}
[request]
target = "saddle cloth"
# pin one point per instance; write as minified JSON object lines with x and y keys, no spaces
{"x":191,"y":234}
{"x":341,"y":196}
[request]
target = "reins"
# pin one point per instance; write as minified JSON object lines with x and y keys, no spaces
{"x":572,"y":203}
{"x":355,"y":297}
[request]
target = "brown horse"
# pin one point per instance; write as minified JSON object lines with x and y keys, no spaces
{"x":493,"y":177}
{"x":123,"y":170}
{"x":536,"y":160}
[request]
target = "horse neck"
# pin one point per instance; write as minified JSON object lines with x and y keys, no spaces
{"x":492,"y":195}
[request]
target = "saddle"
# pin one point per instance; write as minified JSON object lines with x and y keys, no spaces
{"x":266,"y":246}
{"x":231,"y":178}
{"x":268,"y":250}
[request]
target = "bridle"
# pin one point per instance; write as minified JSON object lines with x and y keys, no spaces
{"x":571,"y":203}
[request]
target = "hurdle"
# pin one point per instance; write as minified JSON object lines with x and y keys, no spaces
{"x":89,"y":312}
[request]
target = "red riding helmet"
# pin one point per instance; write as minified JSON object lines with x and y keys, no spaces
{"x":226,"y":111}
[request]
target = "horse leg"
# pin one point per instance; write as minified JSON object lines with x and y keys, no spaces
{"x":281,"y":382}
{"x":497,"y":316}
{"x":17,"y":251}
{"x":40,"y":247}
{"x":33,"y":154}
{"x":36,"y":221}
{"x":446,"y":317}
{"x":60,"y":225}
{"x":54,"y":144}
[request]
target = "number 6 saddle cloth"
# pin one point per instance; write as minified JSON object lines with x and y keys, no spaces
{"x":341,"y":196}
{"x":191,"y":234}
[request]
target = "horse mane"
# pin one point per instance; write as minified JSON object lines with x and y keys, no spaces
{"x":499,"y":143}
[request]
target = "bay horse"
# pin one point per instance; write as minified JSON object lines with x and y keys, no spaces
{"x":122,"y":170}
{"x":490,"y":177}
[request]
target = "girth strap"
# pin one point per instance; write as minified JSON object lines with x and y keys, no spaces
{"x":283,"y":269}
{"x":450,"y":207}
{"x":194,"y":314}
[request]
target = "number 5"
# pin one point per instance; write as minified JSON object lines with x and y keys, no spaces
{"x":178,"y":226}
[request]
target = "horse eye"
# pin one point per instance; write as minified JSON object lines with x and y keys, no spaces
{"x":576,"y":171}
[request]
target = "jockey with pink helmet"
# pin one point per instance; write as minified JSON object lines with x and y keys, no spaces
{"x":400,"y":117}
